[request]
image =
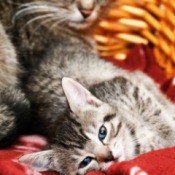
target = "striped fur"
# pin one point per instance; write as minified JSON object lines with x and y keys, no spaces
{"x":14,"y":107}
{"x":14,"y":114}
{"x":150,"y":123}
{"x":9,"y":65}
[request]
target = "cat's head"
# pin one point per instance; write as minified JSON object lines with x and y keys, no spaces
{"x":92,"y":138}
{"x":78,"y":14}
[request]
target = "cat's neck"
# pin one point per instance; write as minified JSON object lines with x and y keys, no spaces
{"x":85,"y":36}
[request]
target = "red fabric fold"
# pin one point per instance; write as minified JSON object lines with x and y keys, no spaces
{"x":160,"y":162}
{"x":9,"y":164}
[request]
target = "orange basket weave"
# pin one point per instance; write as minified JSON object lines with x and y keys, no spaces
{"x":133,"y":22}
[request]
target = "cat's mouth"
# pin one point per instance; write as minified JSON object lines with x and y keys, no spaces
{"x":81,"y":24}
{"x":105,"y":165}
{"x":81,"y":21}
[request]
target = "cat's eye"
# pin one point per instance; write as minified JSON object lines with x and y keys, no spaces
{"x":85,"y":162}
{"x":102,"y":133}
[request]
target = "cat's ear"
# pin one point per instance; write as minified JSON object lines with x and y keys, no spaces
{"x":78,"y":96}
{"x":40,"y":161}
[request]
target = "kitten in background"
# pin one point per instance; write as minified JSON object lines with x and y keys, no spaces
{"x":14,"y":107}
{"x":34,"y":25}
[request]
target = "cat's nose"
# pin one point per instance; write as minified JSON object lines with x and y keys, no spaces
{"x":109,"y":157}
{"x":105,"y":156}
{"x":86,"y":12}
{"x":86,"y":7}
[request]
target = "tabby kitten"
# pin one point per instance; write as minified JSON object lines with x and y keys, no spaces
{"x":77,"y":139}
{"x":116,"y":121}
{"x":14,"y":107}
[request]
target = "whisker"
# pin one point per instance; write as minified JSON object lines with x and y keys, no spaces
{"x":29,"y":4}
{"x":42,"y":23}
{"x":38,"y":18}
{"x":32,"y":10}
{"x":56,"y":23}
{"x":23,"y":5}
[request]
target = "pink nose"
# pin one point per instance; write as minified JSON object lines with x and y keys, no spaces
{"x":86,"y":13}
{"x":105,"y":157}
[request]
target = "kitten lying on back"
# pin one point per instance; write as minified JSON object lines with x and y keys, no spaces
{"x":77,"y":144}
{"x":14,"y":107}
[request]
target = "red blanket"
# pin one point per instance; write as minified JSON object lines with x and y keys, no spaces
{"x":9,"y":164}
{"x":159,"y":162}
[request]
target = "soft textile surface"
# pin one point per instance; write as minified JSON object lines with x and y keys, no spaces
{"x":159,"y":162}
{"x":9,"y":164}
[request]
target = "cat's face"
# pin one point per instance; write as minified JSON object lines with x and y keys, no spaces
{"x":93,"y":139}
{"x":78,"y":14}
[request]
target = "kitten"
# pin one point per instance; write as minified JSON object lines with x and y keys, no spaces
{"x":14,"y":108}
{"x":34,"y":25}
{"x":73,"y":137}
{"x":116,"y":121}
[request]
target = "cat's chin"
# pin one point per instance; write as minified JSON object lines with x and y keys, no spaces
{"x":80,"y":25}
{"x":105,"y":166}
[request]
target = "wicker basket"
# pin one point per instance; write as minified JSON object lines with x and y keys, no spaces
{"x":133,"y":22}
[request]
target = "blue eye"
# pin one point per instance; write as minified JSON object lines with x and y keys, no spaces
{"x":102,"y":133}
{"x":85,"y":162}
